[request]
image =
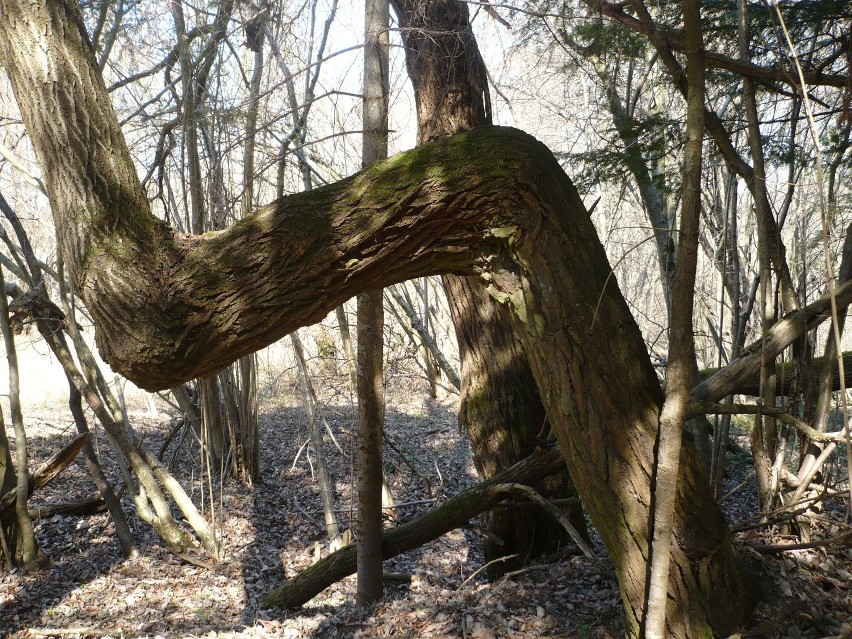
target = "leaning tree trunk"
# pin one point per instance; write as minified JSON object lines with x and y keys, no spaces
{"x":500,"y":410}
{"x":492,"y":202}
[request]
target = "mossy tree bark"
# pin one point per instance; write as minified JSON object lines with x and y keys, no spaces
{"x":501,"y":409}
{"x":492,"y":202}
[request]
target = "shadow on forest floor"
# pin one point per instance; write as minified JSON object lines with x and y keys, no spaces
{"x":272,"y":531}
{"x":275,"y":529}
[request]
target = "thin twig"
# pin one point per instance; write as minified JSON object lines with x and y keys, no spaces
{"x":485,"y":567}
{"x":299,"y":454}
{"x":820,"y":543}
{"x":560,"y":516}
{"x":85,"y":632}
{"x":736,"y":488}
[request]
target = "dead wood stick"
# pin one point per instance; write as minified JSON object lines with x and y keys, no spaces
{"x":803,"y":546}
{"x":781,"y":335}
{"x":349,"y":509}
{"x":452,"y":514}
{"x":397,"y":577}
{"x":486,"y":567}
{"x":47,"y":472}
{"x":83,"y":632}
{"x":563,"y":520}
{"x":786,"y":375}
{"x":709,"y":408}
{"x":85,"y":506}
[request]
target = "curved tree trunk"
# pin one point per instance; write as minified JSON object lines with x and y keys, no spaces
{"x":500,"y":410}
{"x":492,"y":202}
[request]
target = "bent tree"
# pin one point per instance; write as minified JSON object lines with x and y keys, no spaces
{"x":492,"y":202}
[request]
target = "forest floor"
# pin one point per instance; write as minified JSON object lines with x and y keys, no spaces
{"x":275,"y":529}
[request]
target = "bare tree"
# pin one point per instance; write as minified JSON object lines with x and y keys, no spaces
{"x":371,"y":405}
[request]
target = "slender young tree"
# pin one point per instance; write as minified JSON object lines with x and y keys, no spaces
{"x":10,"y":535}
{"x":371,"y":405}
{"x":681,"y":365}
{"x":21,"y":544}
{"x":326,"y":486}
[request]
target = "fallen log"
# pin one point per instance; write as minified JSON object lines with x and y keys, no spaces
{"x":46,"y":473}
{"x":785,"y":374}
{"x":453,"y":513}
{"x":81,"y":507}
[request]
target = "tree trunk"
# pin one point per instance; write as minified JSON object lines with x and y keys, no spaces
{"x":371,"y":320}
{"x":30,"y":552}
{"x":245,"y":430}
{"x":10,"y":532}
{"x":681,"y":367}
{"x":491,"y":202}
{"x":500,"y":409}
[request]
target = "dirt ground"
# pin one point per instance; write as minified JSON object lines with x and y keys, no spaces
{"x":275,"y":529}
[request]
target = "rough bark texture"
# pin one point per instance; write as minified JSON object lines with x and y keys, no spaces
{"x":503,"y":415}
{"x":500,"y":407}
{"x":492,"y":202}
